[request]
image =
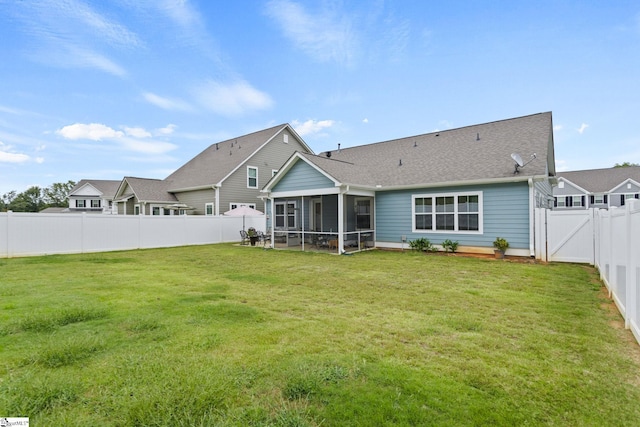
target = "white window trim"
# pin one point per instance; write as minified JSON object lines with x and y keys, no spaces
{"x":249,"y":177}
{"x":206,"y":206}
{"x":455,"y":212}
{"x":287,"y":214}
{"x":137,"y":210}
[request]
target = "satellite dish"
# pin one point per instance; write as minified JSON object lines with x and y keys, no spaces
{"x":519,"y":163}
{"x":516,"y":158}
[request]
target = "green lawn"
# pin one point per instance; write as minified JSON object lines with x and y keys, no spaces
{"x":234,"y":336}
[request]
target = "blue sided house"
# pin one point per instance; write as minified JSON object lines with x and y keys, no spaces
{"x":469,"y":185}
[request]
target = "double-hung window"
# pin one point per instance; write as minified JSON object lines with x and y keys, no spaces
{"x":458,"y":212}
{"x":95,"y":203}
{"x":286,"y":215}
{"x":81,"y":203}
{"x":252,"y":177}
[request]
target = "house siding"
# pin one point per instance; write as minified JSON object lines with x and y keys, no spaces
{"x":197,"y":199}
{"x":505,"y":214}
{"x":271,"y":157}
{"x":303,"y":177}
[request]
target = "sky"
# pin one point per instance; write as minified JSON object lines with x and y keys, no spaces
{"x":113,"y":88}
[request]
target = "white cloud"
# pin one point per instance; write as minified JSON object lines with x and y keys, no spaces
{"x":311,"y":126}
{"x":8,"y":156}
{"x":326,"y":36}
{"x":365,"y":120}
{"x":137,"y":132}
{"x":557,"y":128}
{"x":131,"y":139}
{"x":166,"y":103}
{"x":92,"y":131}
{"x":582,"y":128}
{"x":167,"y":130}
{"x":233,"y":99}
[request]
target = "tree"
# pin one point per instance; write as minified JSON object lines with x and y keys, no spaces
{"x":6,"y":199}
{"x":625,"y":165}
{"x":57,"y":195}
{"x":28,"y":201}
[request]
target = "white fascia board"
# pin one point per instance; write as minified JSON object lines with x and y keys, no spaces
{"x":87,"y":184}
{"x":456,"y":183}
{"x":305,"y":193}
{"x":295,"y":158}
{"x":200,"y":187}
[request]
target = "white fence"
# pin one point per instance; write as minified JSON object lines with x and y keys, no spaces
{"x":26,"y":234}
{"x":617,"y":254}
{"x":608,"y":239}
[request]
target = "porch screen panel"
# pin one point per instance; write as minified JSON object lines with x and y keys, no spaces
{"x":423,"y":212}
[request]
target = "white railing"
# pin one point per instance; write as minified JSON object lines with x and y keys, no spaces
{"x":28,"y":234}
{"x":617,"y":256}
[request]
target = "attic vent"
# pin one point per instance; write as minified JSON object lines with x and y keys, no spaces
{"x":477,"y":136}
{"x":328,"y":154}
{"x":415,"y":144}
{"x":338,"y":147}
{"x":285,"y":138}
{"x":217,"y":146}
{"x":400,"y":163}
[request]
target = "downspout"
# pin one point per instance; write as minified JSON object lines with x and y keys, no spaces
{"x":532,"y":218}
{"x":341,"y":219}
{"x":216,"y":192}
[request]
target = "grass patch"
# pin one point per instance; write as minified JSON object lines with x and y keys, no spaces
{"x":232,"y":336}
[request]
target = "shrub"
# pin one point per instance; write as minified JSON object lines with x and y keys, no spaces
{"x":448,"y":245}
{"x":422,"y":244}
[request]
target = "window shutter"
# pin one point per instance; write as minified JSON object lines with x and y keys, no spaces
{"x":606,"y":198}
{"x":592,"y":200}
{"x":637,"y":195}
{"x":568,"y":201}
{"x":555,"y":202}
{"x":582,"y":200}
{"x":622,"y":200}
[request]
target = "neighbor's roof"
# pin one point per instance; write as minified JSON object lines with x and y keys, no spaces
{"x":602,"y":180}
{"x":216,"y":162}
{"x":150,"y":190}
{"x":108,"y":188}
{"x":472,"y":153}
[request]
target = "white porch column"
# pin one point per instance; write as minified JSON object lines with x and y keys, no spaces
{"x":272,"y":202}
{"x":340,"y":221}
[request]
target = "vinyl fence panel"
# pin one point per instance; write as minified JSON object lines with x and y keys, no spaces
{"x":27,"y":234}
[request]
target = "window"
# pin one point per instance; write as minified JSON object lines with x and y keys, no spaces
{"x":208,"y":209}
{"x":155,"y":210}
{"x":459,"y":212}
{"x":95,"y":203}
{"x":576,"y":201}
{"x":599,"y":199}
{"x":81,"y":203}
{"x":560,"y":202}
{"x":252,"y":177}
{"x":285,"y":138}
{"x":286,"y":215}
{"x":136,"y":210}
{"x":363,"y":214}
{"x":560,"y":184}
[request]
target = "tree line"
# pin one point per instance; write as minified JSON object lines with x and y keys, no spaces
{"x":35,"y":199}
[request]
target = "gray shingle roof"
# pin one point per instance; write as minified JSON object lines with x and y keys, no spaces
{"x":151,"y":190}
{"x":218,"y":160}
{"x":472,"y":153}
{"x":107,"y":187}
{"x":601,"y":180}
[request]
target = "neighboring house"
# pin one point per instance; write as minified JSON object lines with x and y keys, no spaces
{"x":459,"y":184}
{"x":596,"y":188}
{"x":226,"y":175}
{"x":92,"y":196}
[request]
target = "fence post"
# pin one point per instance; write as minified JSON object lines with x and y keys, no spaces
{"x":630,"y":292}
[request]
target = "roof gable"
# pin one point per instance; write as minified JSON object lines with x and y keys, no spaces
{"x":218,"y":161}
{"x":602,"y":180}
{"x":95,"y":187}
{"x":146,"y":190}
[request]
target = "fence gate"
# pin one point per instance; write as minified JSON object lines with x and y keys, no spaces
{"x":569,"y":235}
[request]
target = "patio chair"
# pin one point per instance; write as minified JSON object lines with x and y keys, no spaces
{"x":244,"y":237}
